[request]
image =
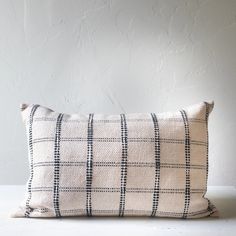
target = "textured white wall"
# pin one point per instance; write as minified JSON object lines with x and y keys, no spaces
{"x":118,"y":56}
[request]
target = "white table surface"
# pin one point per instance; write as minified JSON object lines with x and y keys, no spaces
{"x":223,"y":197}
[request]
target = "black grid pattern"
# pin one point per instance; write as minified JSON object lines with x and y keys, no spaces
{"x":121,"y":165}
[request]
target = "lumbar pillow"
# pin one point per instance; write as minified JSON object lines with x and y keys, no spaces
{"x":138,"y":164}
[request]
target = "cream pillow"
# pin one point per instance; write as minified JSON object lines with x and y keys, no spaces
{"x":138,"y":164}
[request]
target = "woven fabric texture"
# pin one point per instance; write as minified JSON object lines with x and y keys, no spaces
{"x":137,"y":164}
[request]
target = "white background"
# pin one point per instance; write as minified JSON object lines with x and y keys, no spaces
{"x":112,"y":56}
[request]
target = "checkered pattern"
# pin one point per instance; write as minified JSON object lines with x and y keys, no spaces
{"x":138,"y":164}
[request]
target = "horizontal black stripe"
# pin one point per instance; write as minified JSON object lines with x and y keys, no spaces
{"x":118,"y":164}
{"x":81,"y":139}
{"x":114,"y":190}
{"x":83,"y":211}
{"x":38,"y":119}
{"x":163,"y":213}
{"x":134,"y":212}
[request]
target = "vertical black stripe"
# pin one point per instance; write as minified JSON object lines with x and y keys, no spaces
{"x":30,"y":143}
{"x":89,"y":170}
{"x":207,"y":150}
{"x":187,"y":160}
{"x":207,"y":141}
{"x":57,"y":165}
{"x":157,"y":164}
{"x":124,"y":137}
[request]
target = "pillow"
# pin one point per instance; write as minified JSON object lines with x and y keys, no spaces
{"x":138,"y":164}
